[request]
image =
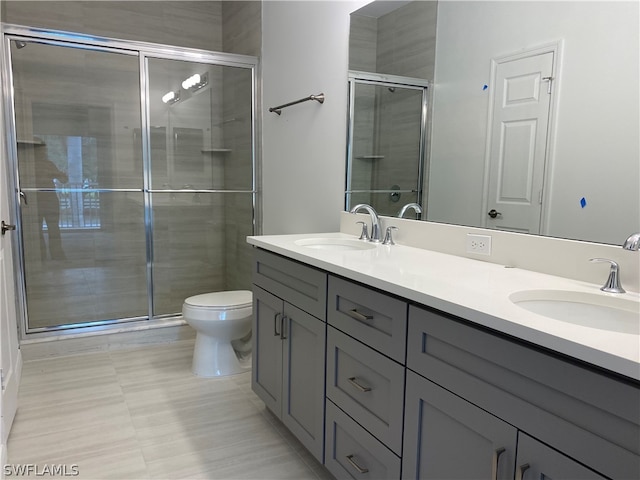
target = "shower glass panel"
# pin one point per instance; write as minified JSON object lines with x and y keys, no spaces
{"x":386,"y":144}
{"x":80,"y":177}
{"x":201,"y":179}
{"x":134,"y":173}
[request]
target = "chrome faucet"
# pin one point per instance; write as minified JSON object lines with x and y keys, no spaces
{"x":415,"y":206}
{"x":632,"y":243}
{"x":612,"y":285}
{"x":375,"y":220}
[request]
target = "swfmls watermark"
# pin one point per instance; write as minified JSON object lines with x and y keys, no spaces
{"x":46,"y":470}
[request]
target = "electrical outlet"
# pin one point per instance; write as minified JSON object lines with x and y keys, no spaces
{"x":480,"y":244}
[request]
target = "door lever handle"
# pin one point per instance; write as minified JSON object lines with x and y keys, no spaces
{"x":6,"y":227}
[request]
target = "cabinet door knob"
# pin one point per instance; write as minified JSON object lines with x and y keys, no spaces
{"x":357,"y":385}
{"x":493,"y":213}
{"x":355,"y":465}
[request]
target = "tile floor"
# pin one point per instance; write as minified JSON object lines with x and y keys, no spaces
{"x":140,"y":413}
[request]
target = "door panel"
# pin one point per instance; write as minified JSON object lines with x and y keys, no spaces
{"x":266,"y":377}
{"x":10,"y":357}
{"x":303,"y":372}
{"x":518,"y":148}
{"x":453,"y":438}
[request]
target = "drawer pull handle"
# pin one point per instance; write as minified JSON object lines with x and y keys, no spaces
{"x":521,"y":470}
{"x":496,"y":460}
{"x":355,"y":465}
{"x":359,"y":316}
{"x":360,"y":387}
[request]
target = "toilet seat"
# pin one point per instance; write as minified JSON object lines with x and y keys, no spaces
{"x":218,"y":305}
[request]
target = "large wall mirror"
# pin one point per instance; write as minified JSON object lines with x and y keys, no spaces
{"x":533,"y":114}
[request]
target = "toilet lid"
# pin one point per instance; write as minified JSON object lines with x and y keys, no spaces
{"x":222,"y":300}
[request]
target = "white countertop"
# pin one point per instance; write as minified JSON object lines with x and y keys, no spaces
{"x":473,"y":290}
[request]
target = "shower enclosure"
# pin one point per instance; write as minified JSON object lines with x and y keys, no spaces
{"x":134,"y":171}
{"x":387,"y":138}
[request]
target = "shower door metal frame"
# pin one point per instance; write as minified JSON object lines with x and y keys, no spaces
{"x":144,"y":51}
{"x":383,"y":80}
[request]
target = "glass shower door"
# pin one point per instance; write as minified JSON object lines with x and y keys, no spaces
{"x":81,"y":184}
{"x":200,"y":179}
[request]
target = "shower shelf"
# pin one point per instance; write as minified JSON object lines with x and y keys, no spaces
{"x":30,"y":142}
{"x":370,"y":157}
{"x":216,"y":150}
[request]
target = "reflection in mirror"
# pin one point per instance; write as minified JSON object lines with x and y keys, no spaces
{"x":386,"y":141}
{"x":575,"y":167}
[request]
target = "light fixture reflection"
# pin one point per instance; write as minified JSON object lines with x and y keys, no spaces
{"x":195,"y":82}
{"x":170,"y":97}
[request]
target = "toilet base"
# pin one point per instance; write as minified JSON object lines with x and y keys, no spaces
{"x":215,"y":358}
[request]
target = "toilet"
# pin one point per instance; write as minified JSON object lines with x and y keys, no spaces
{"x":222,"y":321}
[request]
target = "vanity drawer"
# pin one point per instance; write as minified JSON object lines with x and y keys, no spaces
{"x":352,"y":452}
{"x":366,"y":385}
{"x":301,"y":285}
{"x":589,"y":415}
{"x":372,"y":317}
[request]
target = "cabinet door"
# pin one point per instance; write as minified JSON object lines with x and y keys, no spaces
{"x":266,"y":376}
{"x":446,"y":437}
{"x":303,"y":377}
{"x":535,"y":460}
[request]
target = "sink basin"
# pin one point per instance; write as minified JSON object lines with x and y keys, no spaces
{"x":335,"y":244}
{"x":603,"y":312}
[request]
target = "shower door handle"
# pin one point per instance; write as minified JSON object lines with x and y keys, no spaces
{"x":6,"y":227}
{"x":23,"y":197}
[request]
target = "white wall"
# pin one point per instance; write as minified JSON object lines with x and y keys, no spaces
{"x":304,"y":52}
{"x":597,"y":137}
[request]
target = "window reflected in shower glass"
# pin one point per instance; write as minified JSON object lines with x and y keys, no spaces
{"x":208,"y":142}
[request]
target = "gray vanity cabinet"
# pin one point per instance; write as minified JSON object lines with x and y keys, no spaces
{"x":448,"y":437}
{"x":415,"y":393}
{"x":591,"y":418}
{"x":289,"y":346}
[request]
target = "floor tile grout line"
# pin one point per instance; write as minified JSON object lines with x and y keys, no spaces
{"x":133,"y":425}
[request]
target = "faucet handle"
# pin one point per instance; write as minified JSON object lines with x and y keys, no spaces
{"x":364,"y":235}
{"x":388,"y":236}
{"x":612,"y":284}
